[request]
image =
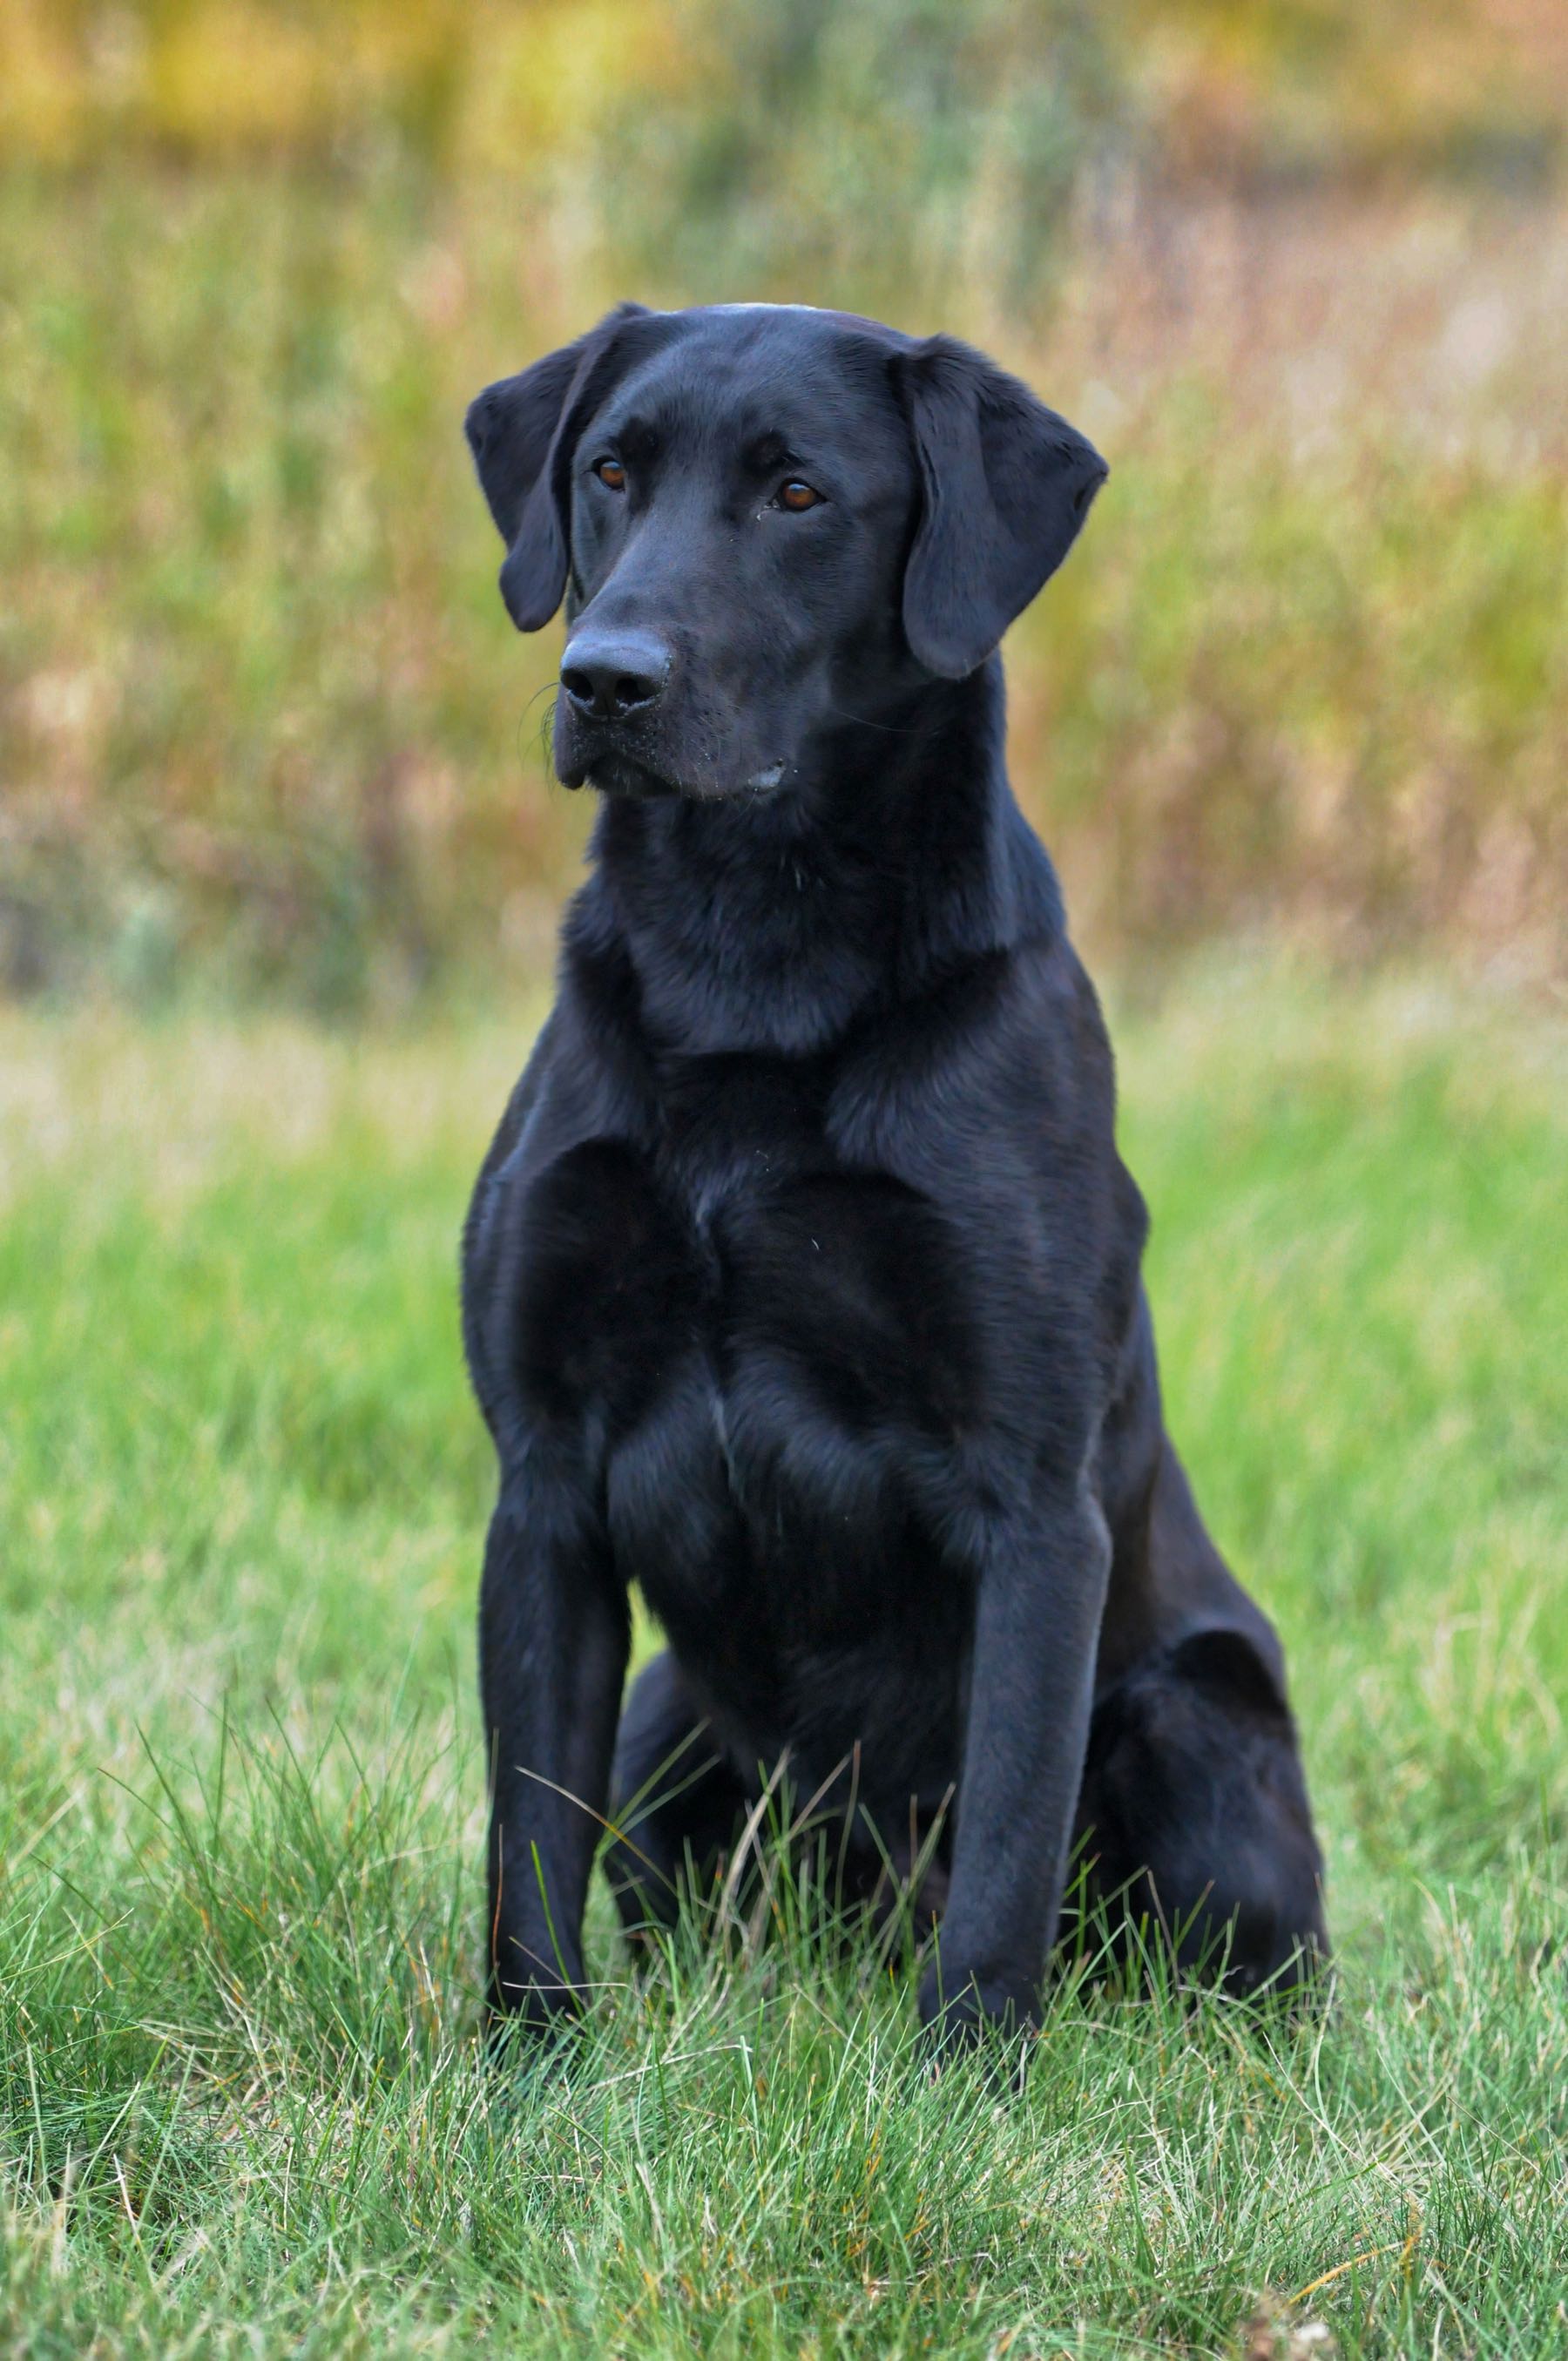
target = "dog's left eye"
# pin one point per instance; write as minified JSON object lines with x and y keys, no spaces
{"x":798,"y":497}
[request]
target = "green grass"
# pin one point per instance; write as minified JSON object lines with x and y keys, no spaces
{"x":242,"y":1492}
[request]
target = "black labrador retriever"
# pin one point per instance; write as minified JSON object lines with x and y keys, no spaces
{"x":801,"y":1282}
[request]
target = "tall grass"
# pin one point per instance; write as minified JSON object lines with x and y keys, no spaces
{"x":262,"y":719}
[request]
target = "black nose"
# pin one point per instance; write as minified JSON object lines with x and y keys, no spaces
{"x":611,"y":675}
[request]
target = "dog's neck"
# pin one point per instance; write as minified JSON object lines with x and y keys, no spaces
{"x":774,"y":924}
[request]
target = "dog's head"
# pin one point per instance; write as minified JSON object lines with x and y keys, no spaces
{"x":766,"y":522}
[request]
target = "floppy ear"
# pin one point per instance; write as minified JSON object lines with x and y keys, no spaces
{"x":520,"y":431}
{"x":1005,"y":483}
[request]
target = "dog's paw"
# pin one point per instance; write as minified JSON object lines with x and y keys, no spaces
{"x":996,"y":2015}
{"x":531,"y":2025}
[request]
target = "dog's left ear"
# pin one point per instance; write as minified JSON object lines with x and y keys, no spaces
{"x":1005,"y":486}
{"x":521,"y":430}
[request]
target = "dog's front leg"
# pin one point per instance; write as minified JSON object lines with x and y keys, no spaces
{"x":1041,"y":1594}
{"x":553,"y":1638}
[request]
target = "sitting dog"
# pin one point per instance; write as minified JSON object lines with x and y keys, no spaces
{"x":801,"y":1282}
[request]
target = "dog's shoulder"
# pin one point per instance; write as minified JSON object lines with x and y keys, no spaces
{"x":559,"y":1098}
{"x":1008,"y":1052}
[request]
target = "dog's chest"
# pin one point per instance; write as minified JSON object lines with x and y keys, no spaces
{"x":761,"y":1343}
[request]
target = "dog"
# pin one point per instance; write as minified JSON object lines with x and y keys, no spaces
{"x":801,"y":1284}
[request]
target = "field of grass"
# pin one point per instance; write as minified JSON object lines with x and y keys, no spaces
{"x":242,"y":1492}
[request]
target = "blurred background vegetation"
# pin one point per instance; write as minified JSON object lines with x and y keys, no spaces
{"x":1299,"y":266}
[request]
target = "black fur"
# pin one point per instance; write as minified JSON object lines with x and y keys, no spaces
{"x":801,"y":1284}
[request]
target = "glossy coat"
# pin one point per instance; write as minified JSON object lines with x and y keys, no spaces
{"x":801,"y":1282}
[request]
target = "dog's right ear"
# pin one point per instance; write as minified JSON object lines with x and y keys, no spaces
{"x":521,"y":430}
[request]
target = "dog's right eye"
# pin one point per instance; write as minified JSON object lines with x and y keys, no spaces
{"x":611,"y":472}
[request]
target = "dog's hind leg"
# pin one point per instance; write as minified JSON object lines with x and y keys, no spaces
{"x":1193,"y":1822}
{"x":675,"y":1802}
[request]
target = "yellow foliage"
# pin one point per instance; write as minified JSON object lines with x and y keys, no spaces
{"x":548,"y":67}
{"x":501,"y":83}
{"x":510,"y":84}
{"x":238,"y":77}
{"x":41,"y":94}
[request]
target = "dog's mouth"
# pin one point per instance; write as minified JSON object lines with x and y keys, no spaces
{"x":614,"y":772}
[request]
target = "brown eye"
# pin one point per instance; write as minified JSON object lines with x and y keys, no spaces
{"x":797,"y":497}
{"x":611,"y":472}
